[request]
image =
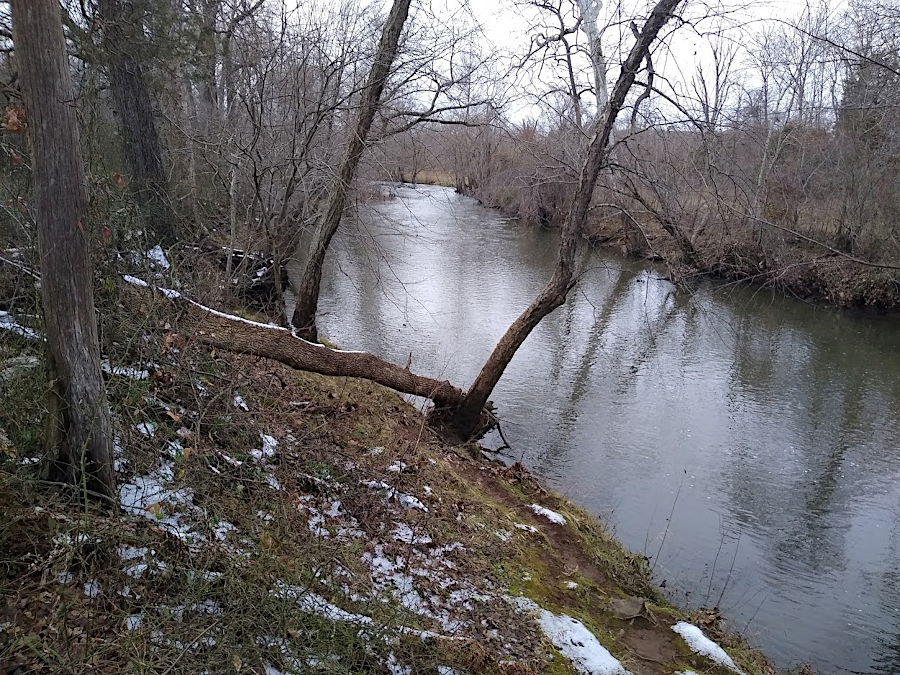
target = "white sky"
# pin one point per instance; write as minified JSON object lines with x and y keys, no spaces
{"x":509,"y":26}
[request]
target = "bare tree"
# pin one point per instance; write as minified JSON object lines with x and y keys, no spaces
{"x":464,"y":420}
{"x":304,"y":318}
{"x":123,"y":34}
{"x":78,"y":438}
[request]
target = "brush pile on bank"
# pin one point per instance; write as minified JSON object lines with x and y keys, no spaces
{"x":273,"y":521}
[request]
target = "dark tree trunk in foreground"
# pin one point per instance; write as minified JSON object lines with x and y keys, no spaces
{"x":122,"y":34}
{"x":462,"y":421}
{"x":304,"y":318}
{"x":78,"y":439}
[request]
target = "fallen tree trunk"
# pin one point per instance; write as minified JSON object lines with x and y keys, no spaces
{"x":236,"y":334}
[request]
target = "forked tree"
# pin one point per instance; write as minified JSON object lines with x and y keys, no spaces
{"x":78,"y":438}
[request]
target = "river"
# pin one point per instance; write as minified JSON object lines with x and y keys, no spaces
{"x":747,"y":443}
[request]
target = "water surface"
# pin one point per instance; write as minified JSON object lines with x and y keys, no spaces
{"x":748,"y":444}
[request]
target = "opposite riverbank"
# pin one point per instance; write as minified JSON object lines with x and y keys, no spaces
{"x":789,"y":263}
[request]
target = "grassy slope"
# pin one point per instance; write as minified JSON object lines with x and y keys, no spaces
{"x":246,"y":588}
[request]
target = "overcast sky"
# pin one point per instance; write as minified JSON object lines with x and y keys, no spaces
{"x":509,"y":27}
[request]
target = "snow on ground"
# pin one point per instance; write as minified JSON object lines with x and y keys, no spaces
{"x":239,"y":402}
{"x":158,"y":257}
{"x":403,"y":532}
{"x":170,"y":509}
{"x":406,"y":501}
{"x":8,"y":322}
{"x":332,"y":520}
{"x":552,"y":516}
{"x":92,"y":588}
{"x":269,"y":445}
{"x":394,"y":668}
{"x":573,"y":640}
{"x":124,"y":371}
{"x":146,"y":428}
{"x":527,"y":528}
{"x":702,"y":645}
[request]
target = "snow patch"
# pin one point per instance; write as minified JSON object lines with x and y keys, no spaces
{"x":124,"y":371}
{"x":527,"y":528}
{"x":158,"y":257}
{"x":702,"y":645}
{"x":8,"y":322}
{"x":552,"y":516}
{"x":92,"y":588}
{"x":146,"y":428}
{"x":147,"y":496}
{"x":410,"y":502}
{"x":403,"y":532}
{"x":395,"y":668}
{"x":573,"y":640}
{"x":239,"y":402}
{"x":406,"y":501}
{"x":269,"y":444}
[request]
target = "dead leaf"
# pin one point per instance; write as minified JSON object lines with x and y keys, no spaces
{"x":14,"y":119}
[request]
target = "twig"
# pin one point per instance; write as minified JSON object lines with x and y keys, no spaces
{"x":668,"y":522}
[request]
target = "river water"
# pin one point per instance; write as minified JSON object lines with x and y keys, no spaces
{"x":748,"y":444}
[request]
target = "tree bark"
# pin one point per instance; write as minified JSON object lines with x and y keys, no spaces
{"x":464,"y":419}
{"x":304,"y":318}
{"x":239,"y":335}
{"x":78,"y":442}
{"x":122,"y":34}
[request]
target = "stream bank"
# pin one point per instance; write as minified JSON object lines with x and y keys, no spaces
{"x":275,"y":521}
{"x":797,"y":267}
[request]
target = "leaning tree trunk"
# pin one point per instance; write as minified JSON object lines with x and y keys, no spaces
{"x":463,"y":420}
{"x":304,"y":318}
{"x":78,"y":440}
{"x":236,"y":334}
{"x":122,"y":33}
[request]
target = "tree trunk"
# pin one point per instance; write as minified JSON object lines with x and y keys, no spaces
{"x":464,"y":419}
{"x":78,"y":442}
{"x":122,"y":33}
{"x":239,"y":335}
{"x":304,"y":318}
